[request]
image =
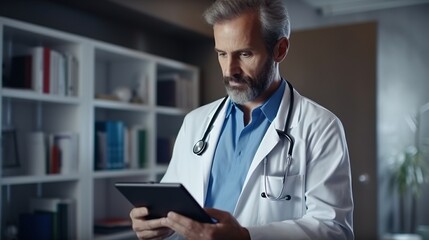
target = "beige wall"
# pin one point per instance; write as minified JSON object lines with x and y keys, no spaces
{"x":335,"y":66}
{"x":184,"y":13}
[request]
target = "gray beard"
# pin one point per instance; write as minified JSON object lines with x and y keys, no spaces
{"x":253,"y":88}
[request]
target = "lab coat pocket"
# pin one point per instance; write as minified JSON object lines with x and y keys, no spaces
{"x":291,"y":204}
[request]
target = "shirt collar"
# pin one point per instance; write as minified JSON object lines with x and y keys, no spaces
{"x":229,"y":108}
{"x":269,"y":107}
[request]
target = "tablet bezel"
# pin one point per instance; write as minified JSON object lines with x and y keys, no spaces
{"x":161,"y":198}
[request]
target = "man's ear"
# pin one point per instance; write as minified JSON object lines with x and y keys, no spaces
{"x":281,"y":48}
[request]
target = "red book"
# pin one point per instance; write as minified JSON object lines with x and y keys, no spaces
{"x":55,"y":161}
{"x":46,"y":69}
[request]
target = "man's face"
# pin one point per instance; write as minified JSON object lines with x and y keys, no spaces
{"x":247,"y":68}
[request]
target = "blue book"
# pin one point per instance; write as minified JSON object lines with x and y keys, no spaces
{"x":36,"y":226}
{"x":109,"y":137}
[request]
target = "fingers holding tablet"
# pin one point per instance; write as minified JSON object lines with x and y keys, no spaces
{"x":161,"y":198}
{"x":148,"y":229}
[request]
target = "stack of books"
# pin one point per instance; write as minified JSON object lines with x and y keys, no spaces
{"x":44,"y":70}
{"x":55,"y":153}
{"x":174,"y":91}
{"x":118,"y":146}
{"x":49,"y":218}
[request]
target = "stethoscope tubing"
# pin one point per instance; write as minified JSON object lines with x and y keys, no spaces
{"x":201,"y":145}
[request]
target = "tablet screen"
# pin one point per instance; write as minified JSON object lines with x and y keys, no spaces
{"x":161,"y":198}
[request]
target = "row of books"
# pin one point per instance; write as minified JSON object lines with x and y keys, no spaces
{"x":44,"y":70}
{"x":55,"y":153}
{"x":49,"y":219}
{"x":174,"y":91}
{"x":118,"y":146}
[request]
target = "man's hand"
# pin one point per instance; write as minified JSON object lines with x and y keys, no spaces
{"x":226,"y":228}
{"x":148,"y":229}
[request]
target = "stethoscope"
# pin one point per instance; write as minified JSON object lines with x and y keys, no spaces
{"x":201,"y":145}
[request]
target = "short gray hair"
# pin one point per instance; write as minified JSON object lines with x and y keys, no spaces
{"x":272,"y":14}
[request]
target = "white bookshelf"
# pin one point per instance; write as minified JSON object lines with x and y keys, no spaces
{"x":102,"y":69}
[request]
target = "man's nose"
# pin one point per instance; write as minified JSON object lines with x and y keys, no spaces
{"x":233,"y":68}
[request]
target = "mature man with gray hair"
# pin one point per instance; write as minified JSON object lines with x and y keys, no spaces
{"x":271,"y":164}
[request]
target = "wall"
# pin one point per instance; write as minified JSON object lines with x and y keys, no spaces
{"x":321,"y":65}
{"x":402,"y":84}
{"x":178,"y":12}
{"x":108,"y":22}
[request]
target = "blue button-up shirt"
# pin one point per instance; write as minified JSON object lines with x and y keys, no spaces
{"x":236,"y":147}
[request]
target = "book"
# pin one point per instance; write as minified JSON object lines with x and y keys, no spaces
{"x":142,"y":147}
{"x":127,"y":148}
{"x":68,"y":146}
{"x":54,"y":72}
{"x":109,"y":152}
{"x":62,"y":213}
{"x":67,"y":219}
{"x":168,"y":91}
{"x":35,"y":226}
{"x":63,"y":152}
{"x":46,"y":70}
{"x":100,"y":152}
{"x":139,"y":152}
{"x":54,"y":162}
{"x":47,"y":206}
{"x":20,"y":72}
{"x":61,"y":87}
{"x":173,"y":91}
{"x":71,"y":80}
{"x":35,"y":145}
{"x":37,"y":70}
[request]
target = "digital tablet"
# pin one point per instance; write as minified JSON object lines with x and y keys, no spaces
{"x":161,"y":198}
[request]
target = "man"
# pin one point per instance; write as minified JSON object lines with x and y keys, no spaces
{"x":243,"y":176}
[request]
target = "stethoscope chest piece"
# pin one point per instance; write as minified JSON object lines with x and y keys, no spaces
{"x":199,"y":147}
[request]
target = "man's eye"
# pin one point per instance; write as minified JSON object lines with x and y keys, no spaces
{"x":245,"y":54}
{"x":221,"y":54}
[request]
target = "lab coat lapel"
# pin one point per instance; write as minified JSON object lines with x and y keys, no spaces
{"x":271,"y":138}
{"x":269,"y":141}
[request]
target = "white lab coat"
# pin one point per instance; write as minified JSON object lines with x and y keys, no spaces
{"x":319,"y":179}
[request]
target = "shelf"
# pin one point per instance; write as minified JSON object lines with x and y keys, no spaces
{"x":129,"y":172}
{"x":96,"y":69}
{"x":117,"y":105}
{"x":39,"y":179}
{"x":34,"y":96}
{"x":120,"y":173}
{"x":170,"y":111}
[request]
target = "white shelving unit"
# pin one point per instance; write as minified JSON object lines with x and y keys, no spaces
{"x":102,"y":70}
